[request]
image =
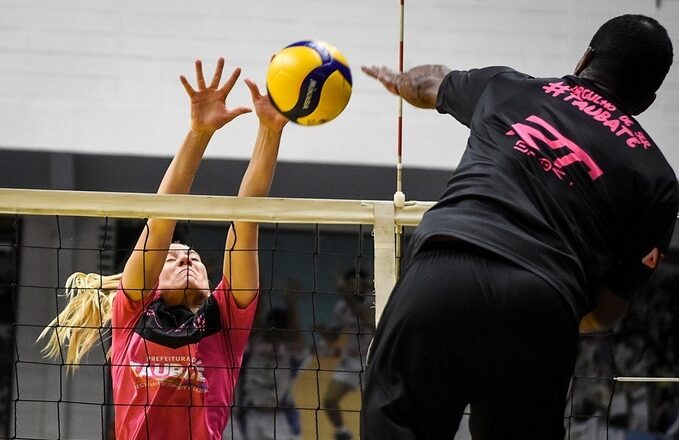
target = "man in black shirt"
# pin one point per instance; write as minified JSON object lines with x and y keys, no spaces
{"x":561,"y":207}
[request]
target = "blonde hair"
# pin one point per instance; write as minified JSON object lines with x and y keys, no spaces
{"x":79,"y":326}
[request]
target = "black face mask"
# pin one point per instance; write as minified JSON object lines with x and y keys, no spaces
{"x":177,"y":326}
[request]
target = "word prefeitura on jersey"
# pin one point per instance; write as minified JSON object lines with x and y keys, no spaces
{"x":592,"y":104}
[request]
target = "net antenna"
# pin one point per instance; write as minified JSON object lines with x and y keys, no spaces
{"x":389,"y":235}
{"x":399,"y":196}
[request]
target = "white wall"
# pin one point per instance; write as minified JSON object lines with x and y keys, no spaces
{"x":101,"y":77}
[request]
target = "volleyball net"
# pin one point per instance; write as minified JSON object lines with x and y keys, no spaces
{"x":315,"y":255}
{"x":321,"y":262}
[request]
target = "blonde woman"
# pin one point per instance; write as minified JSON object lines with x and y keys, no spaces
{"x":177,"y":347}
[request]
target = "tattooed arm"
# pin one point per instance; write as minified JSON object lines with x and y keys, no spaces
{"x":418,"y":86}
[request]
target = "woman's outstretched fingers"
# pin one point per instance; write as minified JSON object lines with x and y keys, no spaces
{"x":217,"y":77}
{"x":199,"y":75}
{"x":187,"y":86}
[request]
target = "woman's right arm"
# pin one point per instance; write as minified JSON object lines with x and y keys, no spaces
{"x":208,"y":114}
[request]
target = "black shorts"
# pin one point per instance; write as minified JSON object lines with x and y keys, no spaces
{"x":466,"y":326}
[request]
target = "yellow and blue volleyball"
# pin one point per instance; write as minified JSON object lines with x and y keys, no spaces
{"x":309,"y":82}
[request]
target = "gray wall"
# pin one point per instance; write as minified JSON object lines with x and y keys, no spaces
{"x":96,"y":77}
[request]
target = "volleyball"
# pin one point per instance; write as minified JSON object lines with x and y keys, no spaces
{"x":309,"y":82}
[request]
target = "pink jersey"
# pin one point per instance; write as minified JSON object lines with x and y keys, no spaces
{"x":174,"y":371}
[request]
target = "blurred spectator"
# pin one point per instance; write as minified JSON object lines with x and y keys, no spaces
{"x":644,"y":344}
{"x":353,"y":316}
{"x":276,"y":352}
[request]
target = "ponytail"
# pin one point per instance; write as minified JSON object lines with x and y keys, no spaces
{"x":79,"y":326}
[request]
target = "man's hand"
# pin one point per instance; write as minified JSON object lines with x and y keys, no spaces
{"x":208,"y":103}
{"x":609,"y":310}
{"x":385,"y":75}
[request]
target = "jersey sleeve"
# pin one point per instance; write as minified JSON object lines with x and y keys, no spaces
{"x":632,"y":272}
{"x":235,"y":321}
{"x":126,"y":312}
{"x":460,"y":90}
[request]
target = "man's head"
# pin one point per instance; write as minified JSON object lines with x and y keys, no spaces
{"x":356,"y":283}
{"x":277,"y":327}
{"x":278,"y":318}
{"x":630,"y":55}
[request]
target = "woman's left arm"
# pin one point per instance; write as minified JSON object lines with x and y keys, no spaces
{"x":241,"y":265}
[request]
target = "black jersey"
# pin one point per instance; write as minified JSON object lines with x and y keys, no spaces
{"x":557,"y":178}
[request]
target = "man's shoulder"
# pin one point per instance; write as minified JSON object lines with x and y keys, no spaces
{"x":493,"y":71}
{"x":508,"y":78}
